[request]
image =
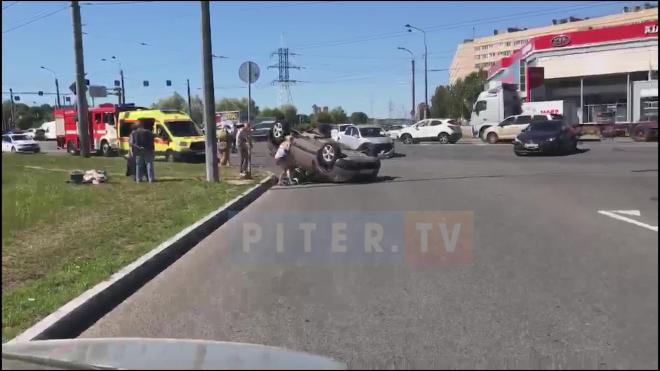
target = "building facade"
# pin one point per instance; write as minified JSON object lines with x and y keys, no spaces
{"x":607,"y":72}
{"x":482,"y":53}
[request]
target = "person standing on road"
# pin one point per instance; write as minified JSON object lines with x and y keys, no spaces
{"x":144,"y":151}
{"x":244,"y":145}
{"x":224,"y":145}
{"x":283,"y":160}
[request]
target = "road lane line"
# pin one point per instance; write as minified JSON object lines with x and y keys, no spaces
{"x":629,"y":220}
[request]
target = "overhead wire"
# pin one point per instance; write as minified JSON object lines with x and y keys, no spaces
{"x":10,"y":5}
{"x":35,"y":19}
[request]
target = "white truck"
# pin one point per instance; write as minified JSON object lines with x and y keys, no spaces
{"x":493,"y":105}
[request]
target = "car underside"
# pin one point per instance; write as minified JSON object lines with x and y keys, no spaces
{"x":321,"y":157}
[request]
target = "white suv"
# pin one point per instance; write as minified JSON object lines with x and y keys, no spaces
{"x":512,"y":126}
{"x":443,"y":130}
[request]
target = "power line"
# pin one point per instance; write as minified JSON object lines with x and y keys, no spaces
{"x":35,"y":19}
{"x":114,"y":3}
{"x":10,"y":5}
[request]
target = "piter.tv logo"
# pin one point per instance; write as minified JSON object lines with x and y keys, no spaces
{"x":428,"y":238}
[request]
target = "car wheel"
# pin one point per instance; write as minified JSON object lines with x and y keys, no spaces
{"x":639,"y":134}
{"x":481,"y":133}
{"x":328,"y":154}
{"x":106,"y":150}
{"x":407,"y":139}
{"x":492,"y":138}
{"x":169,"y":156}
{"x":443,"y":138}
{"x":279,"y":132}
{"x":71,"y":148}
{"x":518,"y":153}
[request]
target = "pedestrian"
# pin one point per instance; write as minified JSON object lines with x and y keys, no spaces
{"x":143,"y":149}
{"x":244,"y":145}
{"x":131,"y":161}
{"x":224,"y":145}
{"x":284,"y":161}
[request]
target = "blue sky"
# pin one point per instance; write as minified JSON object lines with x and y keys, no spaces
{"x":348,"y":49}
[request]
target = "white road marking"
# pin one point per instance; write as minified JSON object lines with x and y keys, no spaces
{"x":612,"y":214}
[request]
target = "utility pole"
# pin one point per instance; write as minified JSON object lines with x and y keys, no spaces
{"x":189,"y":105}
{"x":212,"y":174}
{"x":123,"y":90}
{"x":11,"y":107}
{"x":81,"y":87}
{"x":412,"y":59}
{"x":249,"y":118}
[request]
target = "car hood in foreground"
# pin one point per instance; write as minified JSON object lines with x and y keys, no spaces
{"x":24,"y":142}
{"x":142,"y":354}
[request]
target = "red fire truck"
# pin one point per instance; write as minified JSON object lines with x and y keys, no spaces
{"x":102,"y":122}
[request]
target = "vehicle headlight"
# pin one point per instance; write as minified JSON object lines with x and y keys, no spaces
{"x":516,"y":140}
{"x":551,"y":139}
{"x":183,"y":144}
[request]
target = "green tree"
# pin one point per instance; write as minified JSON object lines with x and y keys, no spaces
{"x":273,"y":112}
{"x":197,"y":108}
{"x":338,"y":115}
{"x":175,"y":102}
{"x":290,"y":114}
{"x":456,"y":100}
{"x":359,"y":118}
{"x":322,"y":118}
{"x":234,"y":104}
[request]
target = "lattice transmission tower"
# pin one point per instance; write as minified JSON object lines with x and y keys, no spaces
{"x":284,"y":80}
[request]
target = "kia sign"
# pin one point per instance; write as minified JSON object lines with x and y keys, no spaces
{"x":651,"y":29}
{"x":559,"y":41}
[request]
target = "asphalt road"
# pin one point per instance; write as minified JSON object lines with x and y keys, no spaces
{"x":543,"y":280}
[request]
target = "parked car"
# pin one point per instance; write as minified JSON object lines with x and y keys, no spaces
{"x":394,"y":131}
{"x":645,"y":131}
{"x":260,"y":131}
{"x":338,"y":129}
{"x":443,"y":130}
{"x":322,"y":157}
{"x":19,"y":143}
{"x":509,"y":129}
{"x":546,"y":137}
{"x":368,"y":139}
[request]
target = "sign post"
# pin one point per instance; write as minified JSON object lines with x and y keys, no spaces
{"x":249,"y":73}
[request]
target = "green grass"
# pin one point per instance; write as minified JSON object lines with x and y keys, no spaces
{"x":59,"y":239}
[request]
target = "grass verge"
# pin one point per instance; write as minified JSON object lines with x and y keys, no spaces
{"x":59,"y":239}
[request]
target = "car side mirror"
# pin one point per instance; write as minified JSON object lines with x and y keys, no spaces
{"x":416,"y":128}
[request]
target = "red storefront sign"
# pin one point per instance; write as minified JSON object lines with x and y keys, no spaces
{"x":595,"y":36}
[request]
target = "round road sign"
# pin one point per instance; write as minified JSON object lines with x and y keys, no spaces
{"x":249,"y":72}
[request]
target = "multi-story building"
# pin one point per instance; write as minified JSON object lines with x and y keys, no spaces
{"x":482,"y":53}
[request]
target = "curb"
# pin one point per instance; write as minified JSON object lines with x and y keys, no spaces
{"x":74,"y":317}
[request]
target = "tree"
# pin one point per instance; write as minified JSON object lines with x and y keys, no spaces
{"x":338,"y":115}
{"x":175,"y":102}
{"x":234,"y":104}
{"x":197,"y":108}
{"x":456,"y":100}
{"x":290,"y":114}
{"x":359,"y":118}
{"x":322,"y":118}
{"x":273,"y":112}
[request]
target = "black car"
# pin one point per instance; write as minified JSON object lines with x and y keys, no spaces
{"x":546,"y":137}
{"x":261,"y":130}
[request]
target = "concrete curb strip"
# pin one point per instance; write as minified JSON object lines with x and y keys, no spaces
{"x":77,"y":315}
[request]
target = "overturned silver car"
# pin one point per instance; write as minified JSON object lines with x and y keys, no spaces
{"x":321,"y":157}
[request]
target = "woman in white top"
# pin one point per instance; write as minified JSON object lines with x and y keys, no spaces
{"x":283,"y":159}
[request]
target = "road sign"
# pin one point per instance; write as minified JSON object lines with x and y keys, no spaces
{"x":249,"y":72}
{"x":98,"y":91}
{"x":72,"y":87}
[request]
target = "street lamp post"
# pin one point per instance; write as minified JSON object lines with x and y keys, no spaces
{"x":57,"y":85}
{"x":412,"y":60}
{"x":121,"y":75}
{"x":426,"y":80}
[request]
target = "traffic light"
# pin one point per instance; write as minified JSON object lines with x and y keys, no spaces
{"x":17,"y":98}
{"x":68,"y":99}
{"x":117,"y":83}
{"x":168,"y":82}
{"x":87,"y":82}
{"x":145,"y":83}
{"x":41,"y":93}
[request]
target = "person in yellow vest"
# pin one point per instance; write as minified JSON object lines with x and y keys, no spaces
{"x":224,"y":146}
